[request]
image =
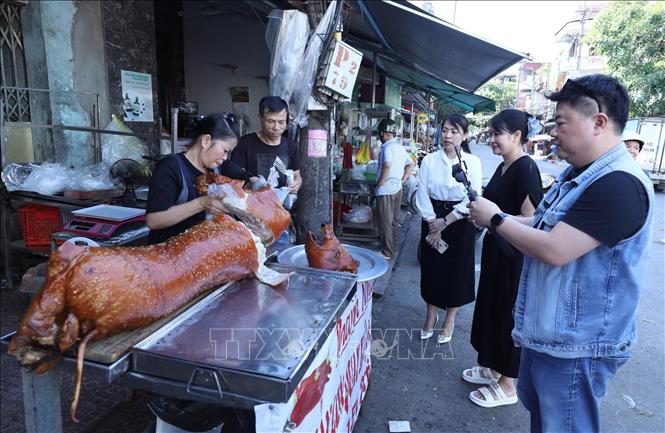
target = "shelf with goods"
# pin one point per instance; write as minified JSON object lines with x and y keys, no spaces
{"x":12,"y":242}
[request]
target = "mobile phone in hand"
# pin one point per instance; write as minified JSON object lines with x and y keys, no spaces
{"x":441,"y":246}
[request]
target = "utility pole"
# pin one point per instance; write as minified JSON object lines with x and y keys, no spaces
{"x":314,"y":204}
{"x":517,"y":89}
{"x":579,"y":38}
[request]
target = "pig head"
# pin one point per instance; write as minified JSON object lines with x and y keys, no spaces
{"x":329,"y":253}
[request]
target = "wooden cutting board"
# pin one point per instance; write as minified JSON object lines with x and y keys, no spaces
{"x":108,"y":350}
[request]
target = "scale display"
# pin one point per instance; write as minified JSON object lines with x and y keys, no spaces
{"x":101,"y":228}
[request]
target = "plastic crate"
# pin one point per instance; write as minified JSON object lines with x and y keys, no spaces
{"x":38,"y":223}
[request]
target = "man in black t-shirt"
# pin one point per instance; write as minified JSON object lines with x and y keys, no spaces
{"x":258,"y":152}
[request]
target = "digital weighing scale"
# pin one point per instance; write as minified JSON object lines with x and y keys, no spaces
{"x":104,"y":221}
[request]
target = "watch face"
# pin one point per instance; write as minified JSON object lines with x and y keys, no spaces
{"x":496,"y":220}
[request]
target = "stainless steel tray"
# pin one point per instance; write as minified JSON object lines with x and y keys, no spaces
{"x":250,"y":339}
{"x":371,"y":267}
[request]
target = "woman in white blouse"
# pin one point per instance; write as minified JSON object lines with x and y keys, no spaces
{"x":447,"y":274}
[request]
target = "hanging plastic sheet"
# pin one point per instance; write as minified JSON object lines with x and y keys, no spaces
{"x":286,"y":36}
{"x":307,"y":72}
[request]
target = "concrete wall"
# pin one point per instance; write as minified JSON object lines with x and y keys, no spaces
{"x":64,"y":53}
{"x":225,"y":39}
{"x":129,"y":44}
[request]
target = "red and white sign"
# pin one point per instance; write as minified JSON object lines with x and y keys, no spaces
{"x":342,"y":69}
{"x":328,"y":398}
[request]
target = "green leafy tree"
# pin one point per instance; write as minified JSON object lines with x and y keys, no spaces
{"x":503,"y":95}
{"x":631,"y":35}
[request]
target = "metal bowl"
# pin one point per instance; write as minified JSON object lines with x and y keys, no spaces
{"x":371,"y":264}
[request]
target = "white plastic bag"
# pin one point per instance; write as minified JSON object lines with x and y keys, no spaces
{"x":358,"y":214}
{"x":115,"y":147}
{"x":286,"y":36}
{"x":48,"y":179}
{"x":307,"y":71}
{"x":92,"y":178}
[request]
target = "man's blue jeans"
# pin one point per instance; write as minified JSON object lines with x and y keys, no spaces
{"x":563,"y":395}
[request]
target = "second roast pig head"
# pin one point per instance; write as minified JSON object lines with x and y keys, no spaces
{"x":329,"y":253}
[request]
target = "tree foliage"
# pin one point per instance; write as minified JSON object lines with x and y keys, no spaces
{"x":503,"y":95}
{"x":631,"y":35}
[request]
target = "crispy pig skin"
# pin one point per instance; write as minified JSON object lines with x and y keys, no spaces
{"x":260,"y":210}
{"x":117,"y":289}
{"x":328,"y":254}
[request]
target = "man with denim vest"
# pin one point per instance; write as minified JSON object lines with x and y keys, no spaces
{"x":586,"y":251}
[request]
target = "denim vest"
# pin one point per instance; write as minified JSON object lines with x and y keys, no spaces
{"x":586,"y":308}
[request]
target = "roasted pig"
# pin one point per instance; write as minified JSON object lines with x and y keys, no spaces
{"x":91,"y":293}
{"x":261,"y":210}
{"x":329,"y":254}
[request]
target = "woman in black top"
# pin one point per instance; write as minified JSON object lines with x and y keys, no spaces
{"x":516,"y":188}
{"x":173,"y":203}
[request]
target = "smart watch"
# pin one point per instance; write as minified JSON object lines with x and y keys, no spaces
{"x":496,"y":220}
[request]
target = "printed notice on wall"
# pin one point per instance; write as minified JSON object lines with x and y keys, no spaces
{"x":317,"y":143}
{"x":137,"y":96}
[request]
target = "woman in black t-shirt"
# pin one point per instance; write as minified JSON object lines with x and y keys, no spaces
{"x":173,"y":203}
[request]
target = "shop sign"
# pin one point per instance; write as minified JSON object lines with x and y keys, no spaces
{"x":342,"y":69}
{"x":317,"y":143}
{"x":393,"y":94}
{"x":422,"y":118}
{"x":137,"y":96}
{"x":329,"y":396}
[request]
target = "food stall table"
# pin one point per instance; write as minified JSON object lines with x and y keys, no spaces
{"x":278,"y":350}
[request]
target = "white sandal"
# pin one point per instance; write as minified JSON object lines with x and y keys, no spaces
{"x":479,"y":376}
{"x":494,"y":396}
{"x":424,"y":335}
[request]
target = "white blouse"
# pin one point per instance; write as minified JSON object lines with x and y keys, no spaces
{"x":435,"y":180}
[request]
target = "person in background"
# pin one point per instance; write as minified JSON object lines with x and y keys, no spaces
{"x":447,"y":278}
{"x":258,"y":152}
{"x":394,"y":169}
{"x":516,"y":188}
{"x":586,"y":250}
{"x":633,"y":142}
{"x":173,"y":202}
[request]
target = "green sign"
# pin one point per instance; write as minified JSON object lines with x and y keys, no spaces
{"x":393,"y":96}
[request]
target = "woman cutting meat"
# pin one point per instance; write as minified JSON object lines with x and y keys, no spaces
{"x":173,"y":203}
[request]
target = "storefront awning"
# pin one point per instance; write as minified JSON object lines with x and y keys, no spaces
{"x":426,"y":43}
{"x":443,"y":91}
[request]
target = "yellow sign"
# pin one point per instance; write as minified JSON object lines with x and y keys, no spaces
{"x":422,"y":118}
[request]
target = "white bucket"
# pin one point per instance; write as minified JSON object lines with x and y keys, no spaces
{"x":164,"y":427}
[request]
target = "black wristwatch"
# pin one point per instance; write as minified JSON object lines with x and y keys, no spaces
{"x":496,"y":220}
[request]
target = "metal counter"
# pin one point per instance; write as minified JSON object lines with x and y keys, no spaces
{"x":241,"y":345}
{"x":251,"y":339}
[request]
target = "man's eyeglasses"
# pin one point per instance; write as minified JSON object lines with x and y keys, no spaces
{"x":575,"y":87}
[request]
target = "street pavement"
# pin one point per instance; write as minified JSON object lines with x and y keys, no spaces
{"x":411,"y":380}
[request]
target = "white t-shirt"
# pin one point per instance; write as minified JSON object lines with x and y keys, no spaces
{"x":435,"y":180}
{"x":394,"y":154}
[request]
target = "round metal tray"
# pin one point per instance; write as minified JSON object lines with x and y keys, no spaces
{"x":372,"y":265}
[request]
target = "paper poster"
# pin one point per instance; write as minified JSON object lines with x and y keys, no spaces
{"x":317,"y":143}
{"x":137,"y":96}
